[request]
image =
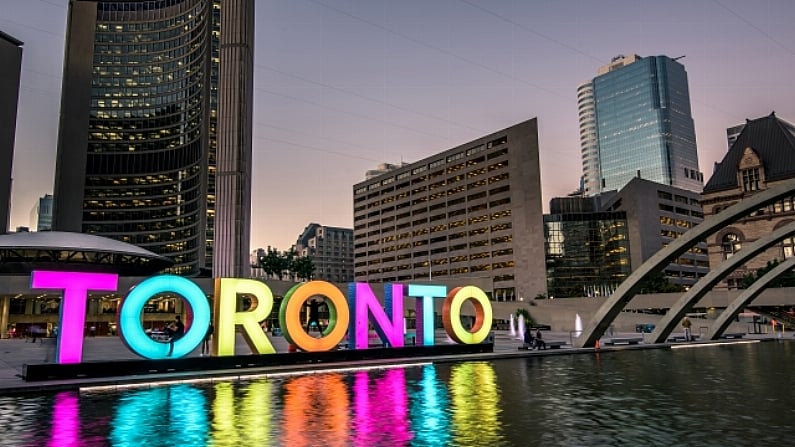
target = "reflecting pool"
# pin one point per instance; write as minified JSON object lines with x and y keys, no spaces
{"x":711,"y":396}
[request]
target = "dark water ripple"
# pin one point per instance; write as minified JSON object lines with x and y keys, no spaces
{"x":723,"y":396}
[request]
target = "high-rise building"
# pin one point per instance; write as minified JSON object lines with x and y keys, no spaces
{"x":473,"y":211}
{"x":331,"y":251}
{"x":11,"y":55}
{"x":635,"y":121}
{"x":154,"y":144}
{"x":41,"y":214}
{"x":383,"y":168}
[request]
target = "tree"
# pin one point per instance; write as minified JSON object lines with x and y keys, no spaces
{"x":524,"y":313}
{"x":785,"y":280}
{"x":304,"y":268}
{"x":270,"y":263}
{"x":659,"y":283}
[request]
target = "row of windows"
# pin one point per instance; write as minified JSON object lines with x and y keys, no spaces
{"x":417,"y":202}
{"x":432,"y":165}
{"x":419,"y":186}
{"x":387,"y":220}
{"x":782,"y":206}
{"x":373,"y":249}
{"x":442,"y":272}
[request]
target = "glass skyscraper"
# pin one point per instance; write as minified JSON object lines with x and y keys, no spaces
{"x":635,"y":121}
{"x":141,"y":139}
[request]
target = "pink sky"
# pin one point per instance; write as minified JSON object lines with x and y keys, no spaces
{"x":343,"y":85}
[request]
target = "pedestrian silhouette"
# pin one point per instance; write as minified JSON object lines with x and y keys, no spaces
{"x":314,"y":315}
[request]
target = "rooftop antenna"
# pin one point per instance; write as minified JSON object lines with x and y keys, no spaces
{"x":677,"y":58}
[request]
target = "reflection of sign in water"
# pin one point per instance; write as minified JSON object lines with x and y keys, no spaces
{"x":352,"y":314}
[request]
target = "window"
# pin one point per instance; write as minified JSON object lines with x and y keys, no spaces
{"x":730,"y":245}
{"x":750,"y":178}
{"x":788,"y":246}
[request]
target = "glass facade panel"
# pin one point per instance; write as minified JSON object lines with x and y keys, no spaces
{"x":643,"y":127}
{"x":586,"y":254}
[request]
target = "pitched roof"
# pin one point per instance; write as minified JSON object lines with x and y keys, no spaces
{"x":772,"y":139}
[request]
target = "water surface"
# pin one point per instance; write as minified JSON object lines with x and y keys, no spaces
{"x":716,"y":396}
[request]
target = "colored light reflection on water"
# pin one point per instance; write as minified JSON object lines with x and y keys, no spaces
{"x":738,"y":395}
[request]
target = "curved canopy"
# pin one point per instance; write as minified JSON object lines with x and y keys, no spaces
{"x":57,"y":250}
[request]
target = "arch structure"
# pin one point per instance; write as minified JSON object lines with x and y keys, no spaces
{"x":724,"y":320}
{"x":705,"y":284}
{"x":616,"y":302}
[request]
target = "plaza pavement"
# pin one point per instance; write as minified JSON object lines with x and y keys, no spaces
{"x":16,"y":353}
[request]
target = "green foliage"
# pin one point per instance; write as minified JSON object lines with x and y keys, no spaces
{"x":286,"y":264}
{"x":659,"y":283}
{"x":785,"y":280}
{"x":528,"y":319}
{"x":304,"y":268}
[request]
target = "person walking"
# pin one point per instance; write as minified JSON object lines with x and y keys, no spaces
{"x":206,"y":342}
{"x":314,"y":315}
{"x":175,"y":330}
{"x":686,"y":324}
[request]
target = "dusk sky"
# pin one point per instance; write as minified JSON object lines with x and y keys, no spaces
{"x":343,"y":85}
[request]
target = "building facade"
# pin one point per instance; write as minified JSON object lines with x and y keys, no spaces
{"x":471,"y":211}
{"x":331,"y":251}
{"x":658,"y":214}
{"x":635,"y":121}
{"x":762,"y":155}
{"x":41,"y":214}
{"x":587,"y":252}
{"x":383,"y":168}
{"x":154,"y":142}
{"x":11,"y":55}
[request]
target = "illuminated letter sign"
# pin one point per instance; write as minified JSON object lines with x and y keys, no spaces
{"x":75,"y":286}
{"x":451,"y":315}
{"x":387,"y":321}
{"x":131,"y":331}
{"x":424,"y":309}
{"x":367,"y":310}
{"x":290,"y":313}
{"x":227,"y":318}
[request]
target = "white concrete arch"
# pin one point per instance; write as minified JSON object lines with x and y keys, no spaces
{"x":705,"y":284}
{"x":725,"y":318}
{"x":613,"y":305}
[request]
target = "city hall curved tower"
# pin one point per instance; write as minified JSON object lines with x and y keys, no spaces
{"x":144,"y":131}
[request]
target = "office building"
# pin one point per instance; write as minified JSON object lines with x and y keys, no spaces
{"x":595,"y":242}
{"x":762,"y":155}
{"x":154,"y":144}
{"x":331,"y":251}
{"x":41,"y":214}
{"x":383,"y":168}
{"x":587,"y":251}
{"x":657,"y":215}
{"x":473,"y":211}
{"x":635,"y":121}
{"x":11,"y":55}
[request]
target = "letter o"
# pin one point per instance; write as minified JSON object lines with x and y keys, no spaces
{"x":451,"y":315}
{"x":290,"y":313}
{"x":131,"y":307}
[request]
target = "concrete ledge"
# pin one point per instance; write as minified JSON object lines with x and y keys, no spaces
{"x":54,"y":371}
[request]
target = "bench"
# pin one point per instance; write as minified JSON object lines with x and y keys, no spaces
{"x":733,"y":335}
{"x":624,"y":341}
{"x":547,"y":345}
{"x":682,"y":338}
